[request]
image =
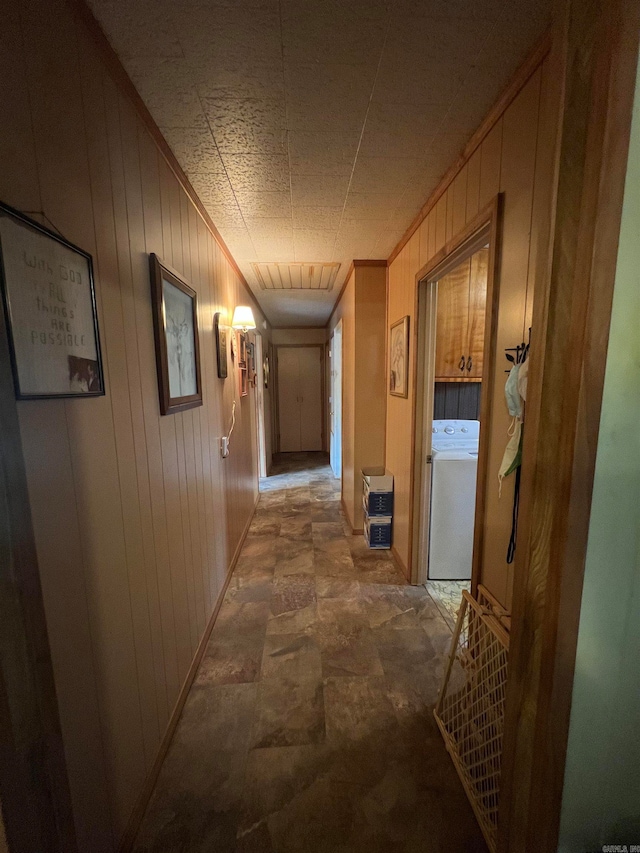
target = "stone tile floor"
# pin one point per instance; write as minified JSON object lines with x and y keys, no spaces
{"x":447,"y":596}
{"x":309,"y":726}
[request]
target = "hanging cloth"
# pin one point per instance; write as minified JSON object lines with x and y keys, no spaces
{"x":515,"y":393}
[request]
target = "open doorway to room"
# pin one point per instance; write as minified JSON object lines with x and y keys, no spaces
{"x":335,"y":401}
{"x":456,"y":295}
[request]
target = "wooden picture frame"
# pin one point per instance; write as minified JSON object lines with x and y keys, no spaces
{"x":49,"y":301}
{"x":265,"y":370}
{"x":221,"y":335}
{"x":399,"y":358}
{"x":175,"y":326}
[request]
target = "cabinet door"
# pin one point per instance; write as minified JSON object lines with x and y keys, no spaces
{"x":477,"y":309}
{"x":452,"y":317}
{"x":288,"y":400}
{"x":310,"y":392}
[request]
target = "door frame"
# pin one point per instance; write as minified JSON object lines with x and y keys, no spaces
{"x":320,"y":348}
{"x":594,"y":59}
{"x":487,"y":223}
{"x":337,"y":331}
{"x":261,"y":439}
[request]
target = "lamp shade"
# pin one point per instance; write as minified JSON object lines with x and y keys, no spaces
{"x":243,"y":318}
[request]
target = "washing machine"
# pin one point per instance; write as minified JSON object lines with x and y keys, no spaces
{"x":454,"y":467}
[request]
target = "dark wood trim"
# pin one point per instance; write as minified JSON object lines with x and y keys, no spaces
{"x":514,"y":87}
{"x":594,"y":64}
{"x":159,"y":272}
{"x":34,"y":787}
{"x":117,"y":71}
{"x":131,"y":831}
{"x":489,"y":218}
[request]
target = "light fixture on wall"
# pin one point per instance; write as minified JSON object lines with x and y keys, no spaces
{"x":243,"y":318}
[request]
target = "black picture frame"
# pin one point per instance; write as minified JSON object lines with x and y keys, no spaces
{"x":221,"y":339}
{"x":166,"y":349}
{"x":48,"y":287}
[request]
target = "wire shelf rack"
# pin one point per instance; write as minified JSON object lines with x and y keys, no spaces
{"x":470,"y":708}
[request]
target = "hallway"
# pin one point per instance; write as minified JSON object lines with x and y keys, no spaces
{"x":309,"y":727}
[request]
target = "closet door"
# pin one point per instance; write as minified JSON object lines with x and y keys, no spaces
{"x":288,"y":402}
{"x":452,"y":317}
{"x":310,"y":393}
{"x":477,"y":311}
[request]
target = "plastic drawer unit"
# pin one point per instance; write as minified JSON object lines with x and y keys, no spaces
{"x":377,"y":531}
{"x":377,"y":491}
{"x":377,"y":504}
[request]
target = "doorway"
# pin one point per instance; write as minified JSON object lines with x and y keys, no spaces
{"x":300,"y":398}
{"x":456,"y":295}
{"x":335,"y":401}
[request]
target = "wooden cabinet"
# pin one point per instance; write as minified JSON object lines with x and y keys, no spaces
{"x":460,"y":317}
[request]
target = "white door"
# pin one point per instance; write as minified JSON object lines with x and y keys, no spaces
{"x":300,"y":398}
{"x":335,"y":401}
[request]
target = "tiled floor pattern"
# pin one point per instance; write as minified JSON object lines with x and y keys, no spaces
{"x":309,"y":726}
{"x":447,"y":596}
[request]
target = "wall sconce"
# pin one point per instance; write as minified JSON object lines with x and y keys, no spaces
{"x":243,"y":318}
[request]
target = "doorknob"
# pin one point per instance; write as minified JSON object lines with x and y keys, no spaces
{"x":461,"y":363}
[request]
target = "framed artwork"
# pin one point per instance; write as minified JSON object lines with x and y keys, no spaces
{"x":399,"y":358}
{"x":175,"y":323}
{"x":242,"y":349}
{"x":244,"y":381}
{"x":251,"y":362}
{"x":221,"y":334}
{"x":265,"y":371}
{"x":50,"y":307}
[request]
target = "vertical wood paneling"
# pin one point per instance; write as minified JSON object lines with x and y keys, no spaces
{"x":136,"y":517}
{"x":517,"y":176}
{"x":473,"y":185}
{"x":441,"y":223}
{"x":490,"y":156}
{"x":459,"y":201}
{"x":514,"y":157}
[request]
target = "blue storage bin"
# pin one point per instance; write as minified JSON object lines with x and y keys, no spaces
{"x":377,"y":532}
{"x":377,"y":491}
{"x":379,"y":503}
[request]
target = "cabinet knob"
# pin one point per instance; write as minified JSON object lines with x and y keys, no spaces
{"x":470,"y":363}
{"x":461,"y":363}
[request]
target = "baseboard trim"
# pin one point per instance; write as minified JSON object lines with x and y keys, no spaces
{"x":400,"y":562}
{"x":133,"y":826}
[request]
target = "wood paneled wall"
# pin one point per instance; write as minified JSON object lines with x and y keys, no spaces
{"x":456,"y":400}
{"x":362,"y":308}
{"x":136,"y":516}
{"x":513,"y":158}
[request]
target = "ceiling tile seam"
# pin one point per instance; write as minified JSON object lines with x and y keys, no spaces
{"x":362,"y":129}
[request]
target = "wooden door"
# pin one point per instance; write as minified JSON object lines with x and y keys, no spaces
{"x":477,"y":309}
{"x":300,"y":398}
{"x":452,"y":316}
{"x":288,"y":403}
{"x":310,"y":395}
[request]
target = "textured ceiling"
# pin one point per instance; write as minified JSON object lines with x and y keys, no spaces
{"x":314,"y":130}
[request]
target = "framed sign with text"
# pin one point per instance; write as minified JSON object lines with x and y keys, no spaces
{"x":50,"y":306}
